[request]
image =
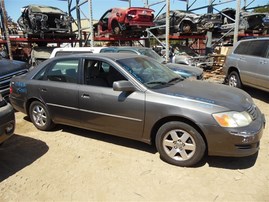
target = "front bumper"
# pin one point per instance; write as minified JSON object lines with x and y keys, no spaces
{"x":7,"y":124}
{"x":235,"y":142}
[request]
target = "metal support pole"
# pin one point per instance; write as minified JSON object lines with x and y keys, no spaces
{"x":208,"y":49}
{"x":236,"y":26}
{"x":5,"y":26}
{"x":167,"y":30}
{"x":91,"y":23}
{"x":79,"y":23}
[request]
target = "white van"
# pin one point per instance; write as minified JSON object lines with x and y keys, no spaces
{"x":74,"y":50}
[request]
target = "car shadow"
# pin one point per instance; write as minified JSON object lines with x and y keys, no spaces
{"x":258,"y":94}
{"x":18,"y":152}
{"x":125,"y":142}
{"x":213,"y":161}
{"x":232,"y":163}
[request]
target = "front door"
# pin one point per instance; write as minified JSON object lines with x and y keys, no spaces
{"x":106,"y":110}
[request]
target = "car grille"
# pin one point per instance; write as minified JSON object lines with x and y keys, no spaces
{"x":5,"y":80}
{"x":252,"y":111}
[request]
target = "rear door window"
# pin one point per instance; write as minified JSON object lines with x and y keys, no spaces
{"x":61,"y":71}
{"x":242,"y":48}
{"x":258,"y":48}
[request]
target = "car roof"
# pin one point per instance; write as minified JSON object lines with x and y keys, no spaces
{"x":112,"y":56}
{"x":126,"y":47}
{"x":255,"y":39}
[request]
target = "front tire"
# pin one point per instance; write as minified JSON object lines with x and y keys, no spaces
{"x":180,"y":144}
{"x":116,"y":28}
{"x":234,"y":80}
{"x":40,"y":116}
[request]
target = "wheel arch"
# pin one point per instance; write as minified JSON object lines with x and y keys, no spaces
{"x":29,"y":102}
{"x":231,"y":69}
{"x":114,"y":22}
{"x":164,"y":120}
{"x":186,"y":21}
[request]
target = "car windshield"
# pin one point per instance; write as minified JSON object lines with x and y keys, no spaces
{"x":152,"y":54}
{"x":149,"y":72}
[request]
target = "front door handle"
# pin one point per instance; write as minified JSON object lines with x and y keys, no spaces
{"x":43,"y":90}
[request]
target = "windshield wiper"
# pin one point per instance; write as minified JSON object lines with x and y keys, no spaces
{"x":174,"y":79}
{"x":157,"y":82}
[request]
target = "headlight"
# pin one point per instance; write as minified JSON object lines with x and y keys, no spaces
{"x":232,"y":119}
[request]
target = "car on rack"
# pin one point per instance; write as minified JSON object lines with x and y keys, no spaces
{"x":185,"y":71}
{"x":248,"y":21}
{"x":7,"y":117}
{"x":247,"y":64}
{"x":136,"y":97}
{"x":9,"y":69}
{"x":40,"y":20}
{"x":185,"y":22}
{"x":128,"y":22}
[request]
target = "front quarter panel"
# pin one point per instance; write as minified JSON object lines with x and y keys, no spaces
{"x":163,"y":108}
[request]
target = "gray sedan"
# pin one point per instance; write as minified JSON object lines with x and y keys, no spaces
{"x":136,"y":97}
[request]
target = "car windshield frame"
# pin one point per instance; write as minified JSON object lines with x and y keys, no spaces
{"x":149,"y":72}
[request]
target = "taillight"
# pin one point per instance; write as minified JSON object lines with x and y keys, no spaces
{"x":132,"y":12}
{"x":10,"y":89}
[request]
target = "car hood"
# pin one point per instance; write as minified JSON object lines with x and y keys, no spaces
{"x":185,"y":68}
{"x":228,"y":98}
{"x":10,"y":66}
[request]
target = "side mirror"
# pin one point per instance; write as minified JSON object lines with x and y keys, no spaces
{"x":125,"y":86}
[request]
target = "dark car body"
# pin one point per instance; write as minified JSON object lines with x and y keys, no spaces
{"x":7,"y":120}
{"x":136,"y":97}
{"x":249,"y":21}
{"x":38,"y":19}
{"x":131,"y":21}
{"x":9,"y":69}
{"x":183,"y":70}
{"x":187,"y":22}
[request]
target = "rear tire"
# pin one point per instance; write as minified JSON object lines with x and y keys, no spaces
{"x":40,"y":116}
{"x":234,"y":80}
{"x":180,"y":144}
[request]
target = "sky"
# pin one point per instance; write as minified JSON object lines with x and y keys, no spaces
{"x":13,"y":7}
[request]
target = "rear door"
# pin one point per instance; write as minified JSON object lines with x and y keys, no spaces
{"x":106,"y":110}
{"x":58,"y":88}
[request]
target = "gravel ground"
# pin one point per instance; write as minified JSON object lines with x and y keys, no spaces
{"x":70,"y":164}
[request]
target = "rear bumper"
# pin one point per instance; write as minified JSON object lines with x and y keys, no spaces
{"x":140,"y":24}
{"x":7,"y":124}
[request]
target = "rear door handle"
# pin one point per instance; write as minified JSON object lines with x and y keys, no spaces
{"x":86,"y":96}
{"x":43,"y":90}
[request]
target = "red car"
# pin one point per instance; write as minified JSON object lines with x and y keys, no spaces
{"x":132,"y":21}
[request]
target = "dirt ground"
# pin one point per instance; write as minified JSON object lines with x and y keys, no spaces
{"x":70,"y":164}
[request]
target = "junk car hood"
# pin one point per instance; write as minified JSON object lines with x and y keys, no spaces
{"x":45,"y":9}
{"x":10,"y":66}
{"x":228,"y":98}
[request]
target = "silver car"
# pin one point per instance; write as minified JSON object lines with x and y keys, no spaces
{"x":136,"y":97}
{"x":248,"y":64}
